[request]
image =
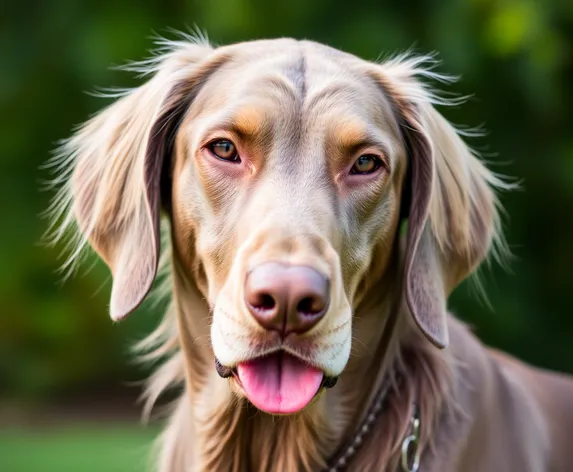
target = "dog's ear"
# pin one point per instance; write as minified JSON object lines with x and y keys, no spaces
{"x":116,"y":161}
{"x":448,"y":200}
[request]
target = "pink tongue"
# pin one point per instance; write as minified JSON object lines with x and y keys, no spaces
{"x":279,"y":383}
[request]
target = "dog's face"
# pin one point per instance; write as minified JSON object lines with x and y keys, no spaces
{"x":283,"y":168}
{"x":287,"y":176}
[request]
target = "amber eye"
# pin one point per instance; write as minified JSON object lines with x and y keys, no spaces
{"x":366,"y":164}
{"x":224,"y":149}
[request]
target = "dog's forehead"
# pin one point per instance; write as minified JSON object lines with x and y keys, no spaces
{"x":287,"y":76}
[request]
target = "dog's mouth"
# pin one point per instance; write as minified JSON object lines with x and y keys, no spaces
{"x":278,"y":383}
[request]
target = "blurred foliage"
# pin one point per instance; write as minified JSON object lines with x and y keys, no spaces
{"x":514,"y":57}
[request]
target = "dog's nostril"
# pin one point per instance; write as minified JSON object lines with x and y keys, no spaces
{"x":264,"y":302}
{"x":310,"y":306}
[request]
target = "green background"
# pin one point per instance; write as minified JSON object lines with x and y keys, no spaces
{"x":57,"y":345}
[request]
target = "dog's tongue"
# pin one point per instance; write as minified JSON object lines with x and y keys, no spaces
{"x":279,"y":383}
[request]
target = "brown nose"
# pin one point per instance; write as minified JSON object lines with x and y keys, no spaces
{"x":286,"y":298}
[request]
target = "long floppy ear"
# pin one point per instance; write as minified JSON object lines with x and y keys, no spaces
{"x":448,"y":199}
{"x":115,"y":163}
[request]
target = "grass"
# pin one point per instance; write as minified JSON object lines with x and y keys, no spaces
{"x":76,"y":448}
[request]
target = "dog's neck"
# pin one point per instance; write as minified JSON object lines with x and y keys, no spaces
{"x":220,"y":429}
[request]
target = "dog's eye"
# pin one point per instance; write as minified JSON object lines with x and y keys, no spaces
{"x":366,"y":164}
{"x":224,"y":149}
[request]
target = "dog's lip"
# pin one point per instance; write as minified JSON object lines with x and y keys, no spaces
{"x":224,"y":371}
{"x":231,"y":372}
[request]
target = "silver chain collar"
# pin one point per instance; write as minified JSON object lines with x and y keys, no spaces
{"x":410,"y":451}
{"x":411,"y":446}
{"x":349,"y":452}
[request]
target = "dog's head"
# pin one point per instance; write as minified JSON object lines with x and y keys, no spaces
{"x":286,"y":169}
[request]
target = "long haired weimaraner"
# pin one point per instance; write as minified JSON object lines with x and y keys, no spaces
{"x":318,"y":211}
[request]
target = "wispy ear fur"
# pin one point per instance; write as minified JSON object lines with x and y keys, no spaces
{"x":450,"y":196}
{"x":108,"y":173}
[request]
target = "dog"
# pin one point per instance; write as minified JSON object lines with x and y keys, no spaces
{"x":318,"y":211}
